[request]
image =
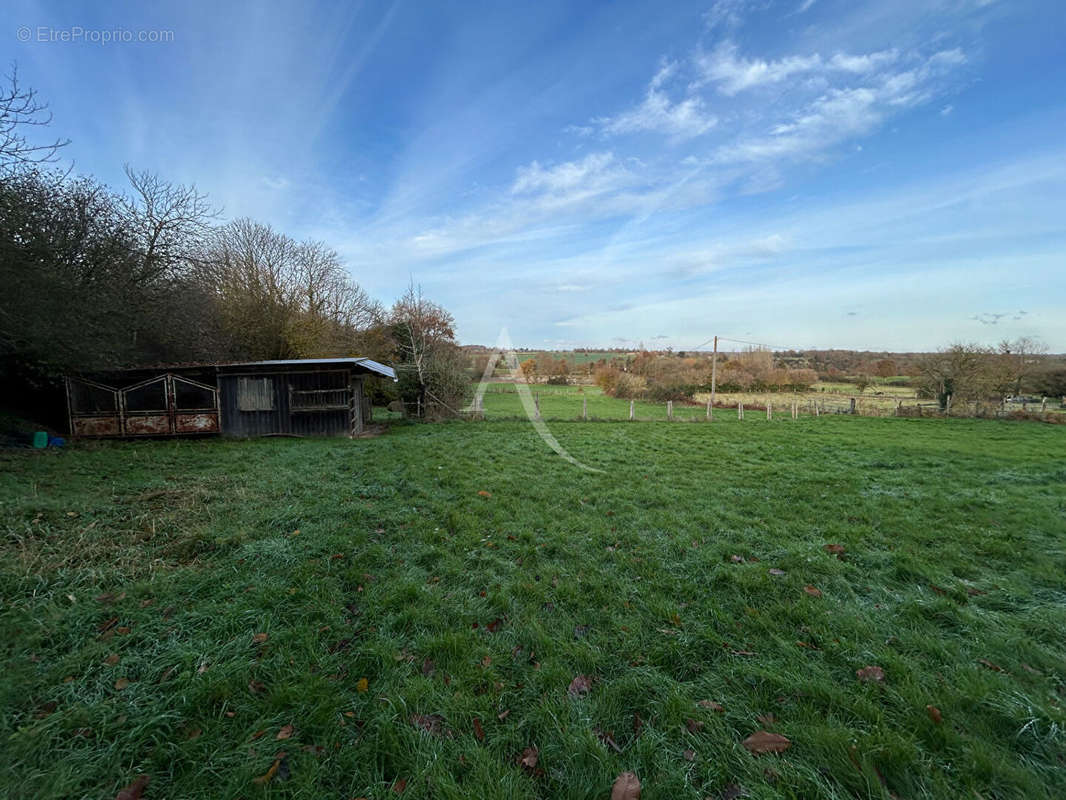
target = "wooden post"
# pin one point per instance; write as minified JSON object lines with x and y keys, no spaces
{"x":536,"y":403}
{"x":947,"y":407}
{"x":769,"y":411}
{"x":710,"y":409}
{"x":899,"y":408}
{"x":740,"y":410}
{"x":1043,"y":404}
{"x":852,"y":409}
{"x":714,"y":376}
{"x":669,"y":409}
{"x":585,"y":408}
{"x":817,"y":408}
{"x":631,"y":410}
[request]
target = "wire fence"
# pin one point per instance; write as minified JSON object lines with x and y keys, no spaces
{"x":565,"y":404}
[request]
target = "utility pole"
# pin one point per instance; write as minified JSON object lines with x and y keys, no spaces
{"x":714,"y":370}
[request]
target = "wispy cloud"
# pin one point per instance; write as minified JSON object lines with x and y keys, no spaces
{"x":681,"y":119}
{"x":732,"y":73}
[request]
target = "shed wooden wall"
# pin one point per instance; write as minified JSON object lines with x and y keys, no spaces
{"x":282,"y":418}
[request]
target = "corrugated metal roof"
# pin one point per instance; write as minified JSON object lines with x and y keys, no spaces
{"x":367,"y":363}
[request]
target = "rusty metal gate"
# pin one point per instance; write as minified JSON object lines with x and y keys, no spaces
{"x":164,"y":405}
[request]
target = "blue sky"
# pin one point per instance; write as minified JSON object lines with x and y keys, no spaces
{"x":806,"y":173}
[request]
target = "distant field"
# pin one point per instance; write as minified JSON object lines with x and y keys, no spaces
{"x":349,"y":618}
{"x":565,"y":403}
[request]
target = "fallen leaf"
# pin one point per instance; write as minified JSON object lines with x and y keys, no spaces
{"x":626,"y":787}
{"x":938,"y":590}
{"x":835,"y":549}
{"x":690,"y":755}
{"x":986,"y":663}
{"x":134,"y":790}
{"x":195,"y":733}
{"x":260,"y":637}
{"x":503,"y":715}
{"x":766,"y":719}
{"x":399,"y":785}
{"x":335,"y":556}
{"x":486,"y":661}
{"x":430,"y":723}
{"x":112,"y":659}
{"x":737,"y":559}
{"x":428,"y":669}
{"x":268,"y":776}
{"x":693,"y":725}
{"x":580,"y":631}
{"x":483,"y":493}
{"x":812,"y":590}
{"x":711,"y":705}
{"x":107,"y":625}
{"x":479,"y":732}
{"x":362,"y":685}
{"x":1030,"y":670}
{"x":638,"y":723}
{"x":731,"y":792}
{"x":494,"y":626}
{"x":776,"y":571}
{"x":286,"y":732}
{"x":231,"y":714}
{"x":122,"y":629}
{"x":870,"y":674}
{"x":258,"y":734}
{"x":147,"y":602}
{"x":122,"y":683}
{"x":934,"y":714}
{"x":202,"y":668}
{"x":255,"y":687}
{"x":529,"y":757}
{"x":579,"y":686}
{"x":766,"y":742}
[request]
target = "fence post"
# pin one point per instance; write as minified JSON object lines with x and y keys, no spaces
{"x":710,"y":413}
{"x":740,"y":410}
{"x":631,"y":410}
{"x":899,"y":408}
{"x":585,"y":408}
{"x":851,"y":410}
{"x":669,"y":409}
{"x":769,"y":411}
{"x":817,"y":408}
{"x":536,"y":403}
{"x":947,"y":407}
{"x":1043,"y":404}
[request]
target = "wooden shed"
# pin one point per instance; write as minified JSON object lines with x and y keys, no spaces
{"x":304,"y":397}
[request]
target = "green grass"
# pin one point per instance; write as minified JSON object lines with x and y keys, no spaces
{"x":398,"y":556}
{"x":565,"y":403}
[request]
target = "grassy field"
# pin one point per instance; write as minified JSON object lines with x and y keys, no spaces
{"x":565,"y":403}
{"x":343,"y":619}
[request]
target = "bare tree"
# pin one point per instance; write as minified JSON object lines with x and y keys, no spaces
{"x":962,"y":371}
{"x":430,"y":366}
{"x":171,"y":222}
{"x":20,"y":110}
{"x":1017,"y":361}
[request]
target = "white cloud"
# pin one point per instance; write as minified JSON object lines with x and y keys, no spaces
{"x":682,"y":120}
{"x":733,"y":73}
{"x":727,"y":13}
{"x":844,"y":113}
{"x":596,"y":171}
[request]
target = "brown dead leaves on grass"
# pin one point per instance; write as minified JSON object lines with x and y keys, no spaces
{"x":762,"y":742}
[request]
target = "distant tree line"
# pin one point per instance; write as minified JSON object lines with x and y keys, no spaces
{"x":95,"y":279}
